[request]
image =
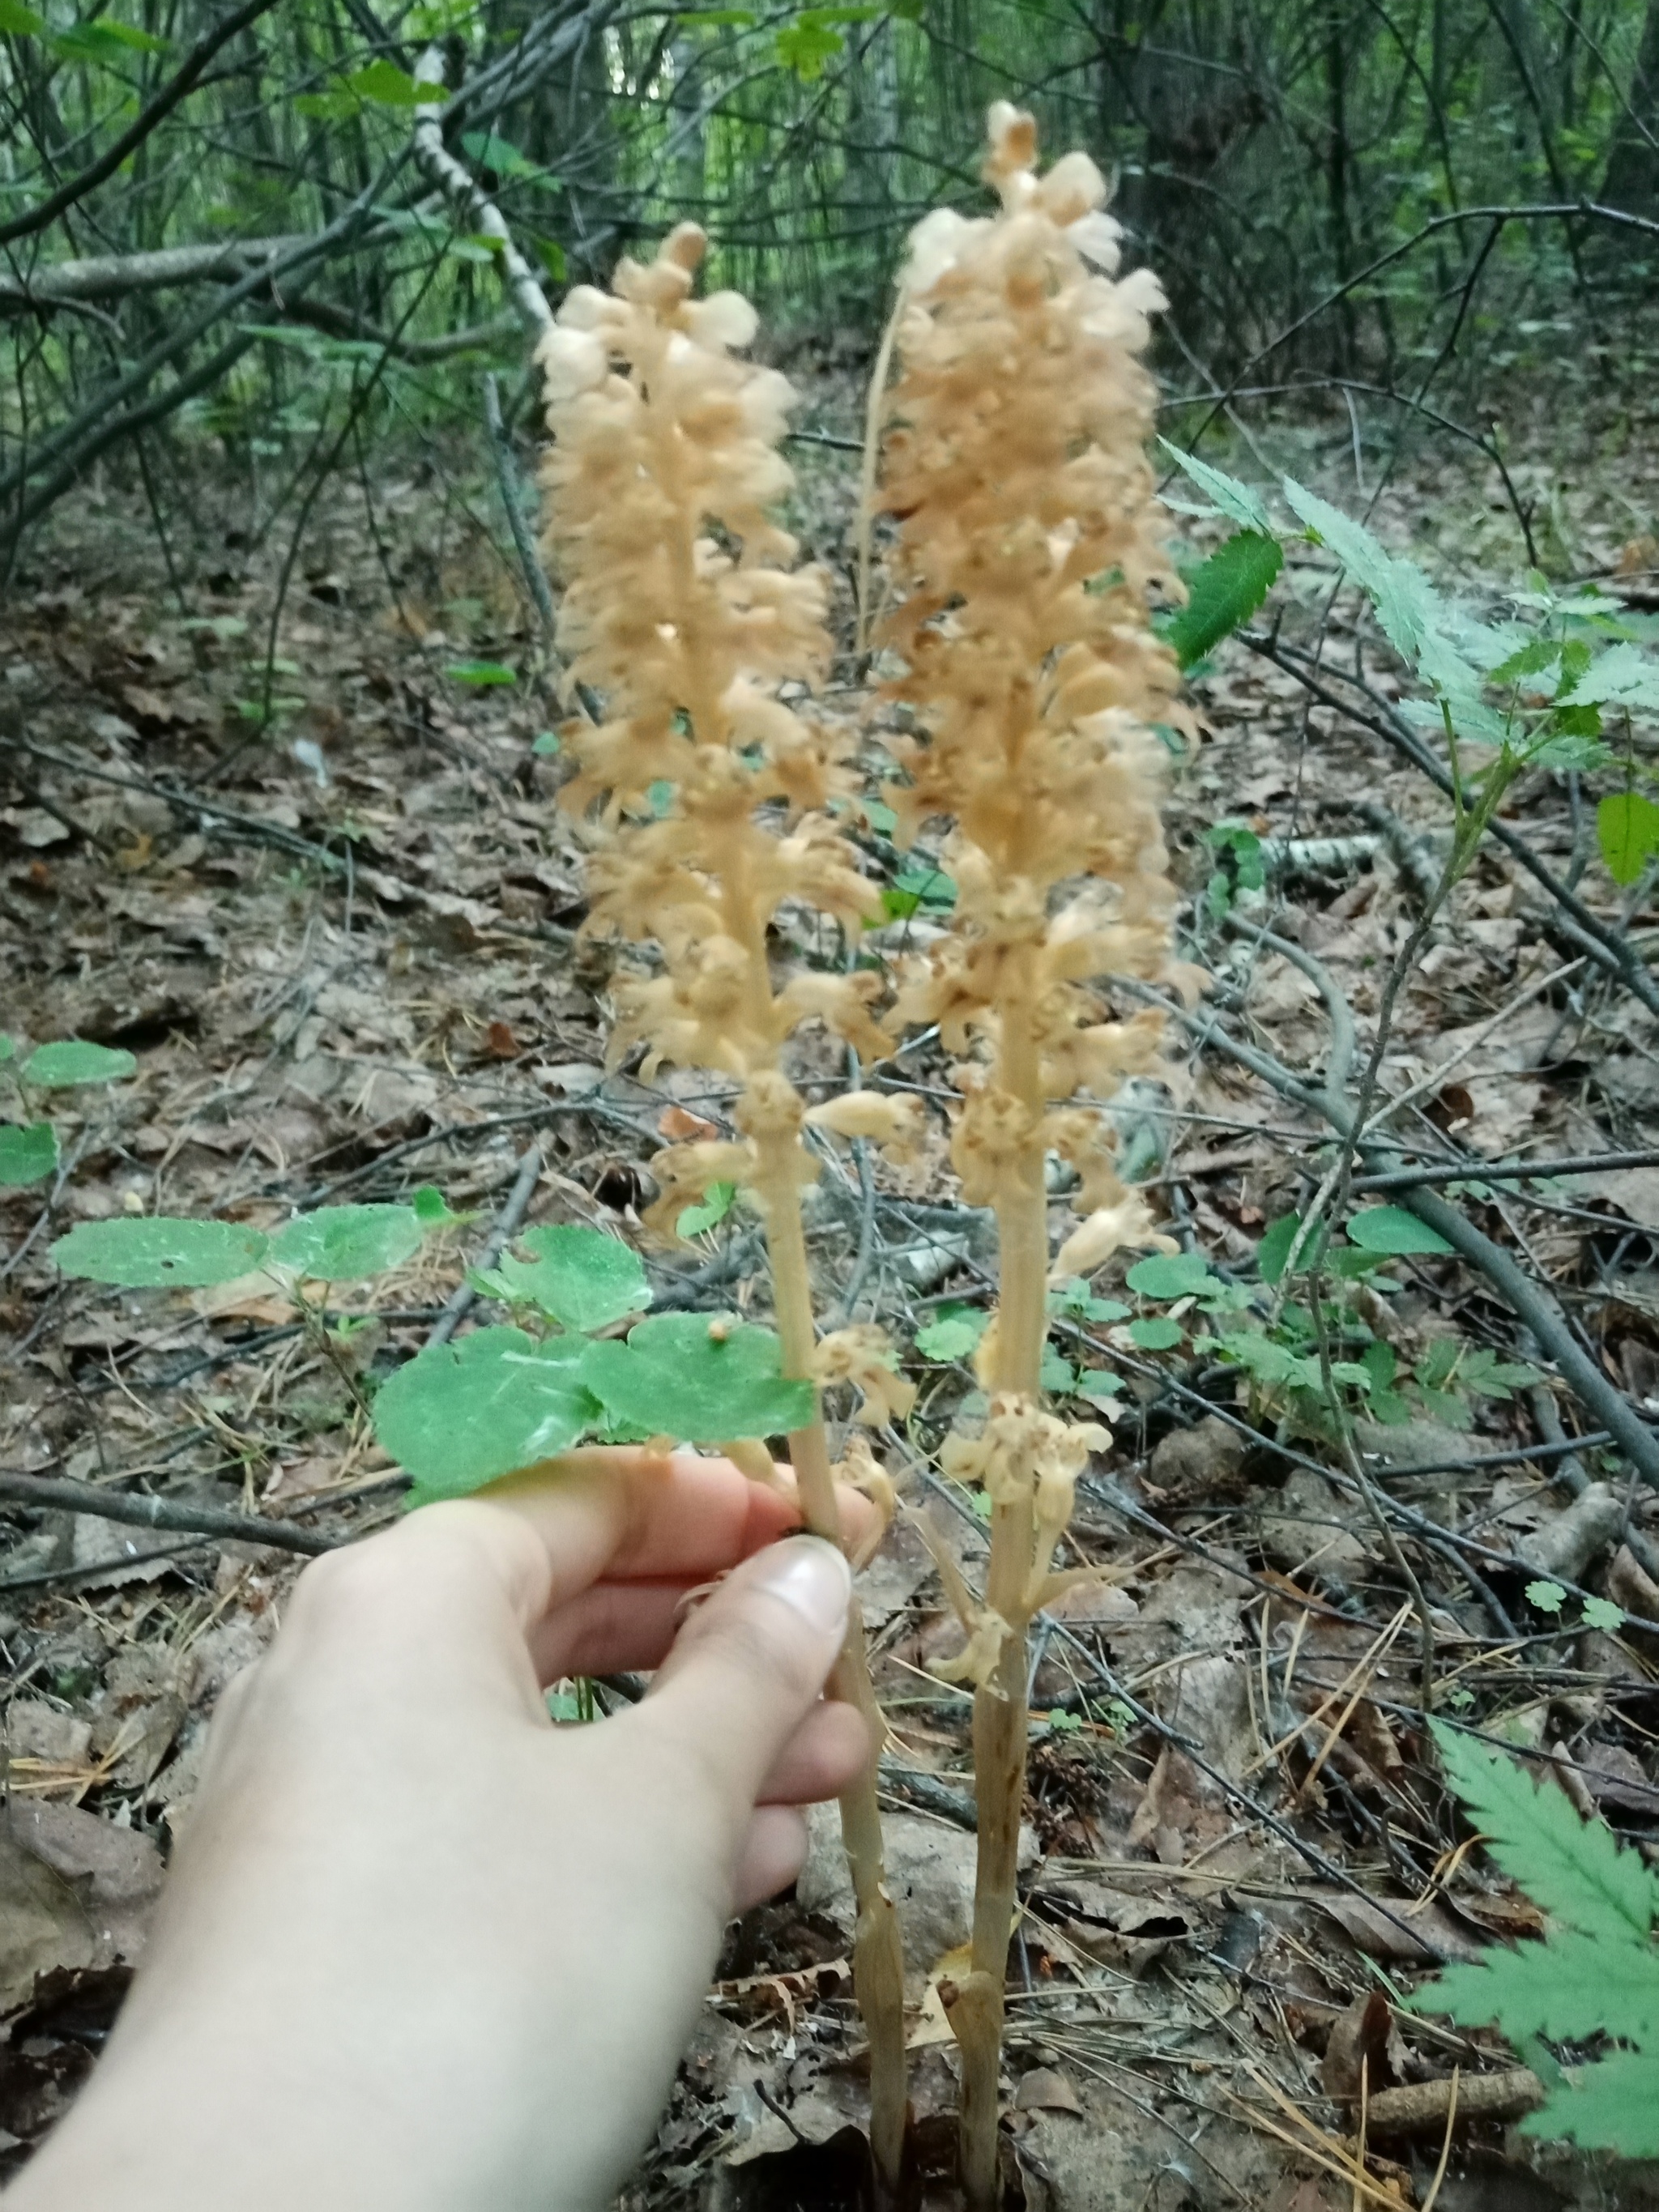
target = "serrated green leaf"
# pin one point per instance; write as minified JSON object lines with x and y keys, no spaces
{"x":56,"y":1067}
{"x":342,"y":1244}
{"x":431,"y":1208}
{"x":1624,"y":676}
{"x":1601,"y":1612}
{"x":1411,"y":613}
{"x":1572,"y":1987}
{"x":1627,"y":830}
{"x":1234,"y":500}
{"x":1548,"y":1597}
{"x":1154,"y":1333}
{"x":27,"y":1155}
{"x":1572,"y":1869}
{"x":460,"y":1415}
{"x":1391,"y":1229}
{"x":1171,"y":1275}
{"x":584,"y":1278}
{"x":1222,"y":595}
{"x":1611,"y":2105}
{"x":717,"y":1203}
{"x":702,"y":1382}
{"x":160,"y":1253}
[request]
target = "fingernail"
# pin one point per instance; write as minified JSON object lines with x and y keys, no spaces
{"x":812,"y":1575}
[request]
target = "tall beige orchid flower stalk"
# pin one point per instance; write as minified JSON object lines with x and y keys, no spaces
{"x":681,"y":608}
{"x":1029,"y":538}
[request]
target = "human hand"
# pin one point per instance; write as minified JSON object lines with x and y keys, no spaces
{"x":419,"y":1950}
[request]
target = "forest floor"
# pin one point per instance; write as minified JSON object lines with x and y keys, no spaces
{"x":346,"y":966}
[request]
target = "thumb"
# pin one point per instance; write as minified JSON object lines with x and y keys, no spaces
{"x":752,"y":1662}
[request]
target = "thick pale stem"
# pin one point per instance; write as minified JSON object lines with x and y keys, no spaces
{"x":877,"y":1946}
{"x":1000,"y":1714}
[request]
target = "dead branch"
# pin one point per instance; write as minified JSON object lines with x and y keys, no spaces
{"x":161,"y":1513}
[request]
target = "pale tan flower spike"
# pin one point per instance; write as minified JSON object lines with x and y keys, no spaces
{"x":1029,"y":546}
{"x":682,"y":610}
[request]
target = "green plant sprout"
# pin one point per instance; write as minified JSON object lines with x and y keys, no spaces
{"x":29,"y":1151}
{"x":1591,"y":1987}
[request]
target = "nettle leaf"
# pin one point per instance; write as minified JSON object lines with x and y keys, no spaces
{"x":1171,"y":1275}
{"x":581,"y":1277}
{"x":26,"y":1154}
{"x":341,"y":1243}
{"x":1236,"y":500}
{"x":160,"y":1253}
{"x":1572,"y":1868}
{"x":1624,"y":676}
{"x":1409,"y":611}
{"x":1627,"y":830}
{"x":703,"y":1382}
{"x":460,"y":1415}
{"x":1391,"y":1230}
{"x":1056,"y":1375}
{"x":56,"y":1067}
{"x":953,"y":1332}
{"x":1222,"y":594}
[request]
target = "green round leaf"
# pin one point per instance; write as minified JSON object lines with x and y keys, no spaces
{"x":160,"y":1253}
{"x":26,"y":1154}
{"x":703,"y":1381}
{"x":339,"y":1243}
{"x":460,"y":1415}
{"x":1274,"y":1250}
{"x":1155,"y":1333}
{"x":952,"y":1335}
{"x":1601,"y":1612}
{"x":1170,"y":1275}
{"x":1391,"y":1229}
{"x":1548,"y":1597}
{"x":55,"y":1066}
{"x":581,"y":1277}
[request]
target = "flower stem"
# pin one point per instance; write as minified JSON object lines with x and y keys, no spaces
{"x":1000,"y":1713}
{"x":877,"y":1948}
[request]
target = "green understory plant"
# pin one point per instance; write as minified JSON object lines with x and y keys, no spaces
{"x":501,"y":1398}
{"x":1581,"y":2007}
{"x":29,"y":1149}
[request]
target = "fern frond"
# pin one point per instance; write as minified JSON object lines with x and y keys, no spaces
{"x":1611,"y":2105}
{"x":1571,"y":1987}
{"x":1573,"y":1870}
